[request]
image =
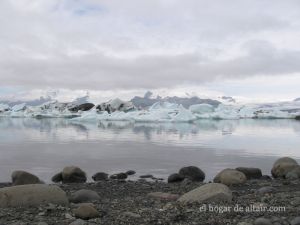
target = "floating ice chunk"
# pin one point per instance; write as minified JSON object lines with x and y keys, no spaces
{"x":4,"y":107}
{"x":184,"y":115}
{"x":201,"y":108}
{"x":19,"y":107}
{"x":226,"y":112}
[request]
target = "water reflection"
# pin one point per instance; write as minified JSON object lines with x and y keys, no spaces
{"x":46,"y":145}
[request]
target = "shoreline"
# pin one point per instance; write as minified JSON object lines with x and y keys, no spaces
{"x":235,"y":197}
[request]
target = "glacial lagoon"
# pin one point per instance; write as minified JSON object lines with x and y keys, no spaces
{"x":45,"y":146}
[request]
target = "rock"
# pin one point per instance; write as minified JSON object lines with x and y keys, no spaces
{"x":251,"y":173}
{"x":78,"y":222}
{"x":42,"y":223}
{"x":100,"y":176}
{"x":86,"y":211}
{"x":282,"y":166}
{"x":20,"y":177}
{"x":119,"y":176}
{"x":32,"y":195}
{"x":175,"y":177}
{"x":72,"y":174}
{"x":296,"y":221}
{"x":82,"y":107}
{"x":130,"y":172}
{"x":262,"y":221}
{"x":193,"y":173}
{"x":147,"y":176}
{"x":84,"y":195}
{"x":293,"y":174}
{"x":265,"y":190}
{"x":244,"y":223}
{"x":57,"y":178}
{"x":297,"y":117}
{"x":265,"y":177}
{"x":211,"y":192}
{"x":132,"y":215}
{"x":163,"y":196}
{"x":230,"y":177}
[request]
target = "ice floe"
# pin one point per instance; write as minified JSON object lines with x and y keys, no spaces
{"x":118,"y":110}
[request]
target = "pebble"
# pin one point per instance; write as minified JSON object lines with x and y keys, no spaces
{"x":78,"y":222}
{"x":296,"y":221}
{"x":262,"y":221}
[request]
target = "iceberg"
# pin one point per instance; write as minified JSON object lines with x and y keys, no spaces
{"x":159,"y":112}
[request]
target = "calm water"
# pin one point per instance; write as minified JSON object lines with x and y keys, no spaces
{"x":46,"y":146}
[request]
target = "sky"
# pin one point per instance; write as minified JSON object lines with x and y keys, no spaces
{"x":248,"y":49}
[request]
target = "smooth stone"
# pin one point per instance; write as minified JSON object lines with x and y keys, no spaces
{"x":163,"y":196}
{"x":72,"y":174}
{"x":262,"y":221}
{"x":192,"y":172}
{"x":119,"y":176}
{"x":265,"y":190}
{"x":100,"y":176}
{"x":32,"y":195}
{"x":20,"y":177}
{"x":293,"y":174}
{"x":84,"y":195}
{"x":251,"y":173}
{"x":78,"y":222}
{"x":212,"y":192}
{"x":282,"y":166}
{"x":147,"y":176}
{"x":175,"y":177}
{"x":86,"y":211}
{"x":230,"y":177}
{"x":42,"y":223}
{"x":130,"y":172}
{"x":131,"y":214}
{"x":57,"y":178}
{"x":296,"y":221}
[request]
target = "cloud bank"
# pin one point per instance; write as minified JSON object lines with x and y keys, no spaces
{"x":106,"y":45}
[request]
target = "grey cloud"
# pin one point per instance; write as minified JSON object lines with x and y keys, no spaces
{"x":101,"y":72}
{"x":143,"y":44}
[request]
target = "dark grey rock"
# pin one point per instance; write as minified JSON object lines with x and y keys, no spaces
{"x":175,"y":177}
{"x":130,"y":172}
{"x":20,"y":177}
{"x":84,"y":195}
{"x":251,"y":173}
{"x":147,"y":176}
{"x":119,"y":176}
{"x":100,"y":176}
{"x":193,"y":173}
{"x":57,"y":178}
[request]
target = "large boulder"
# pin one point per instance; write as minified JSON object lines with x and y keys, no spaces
{"x":84,"y":195}
{"x":193,"y":173}
{"x":251,"y":173}
{"x":86,"y":211}
{"x":32,"y":195}
{"x":207,"y":193}
{"x":293,"y":174}
{"x":230,"y":177}
{"x":20,"y":177}
{"x":175,"y":177}
{"x":57,"y":178}
{"x":72,"y":174}
{"x":100,"y":176}
{"x":282,"y":166}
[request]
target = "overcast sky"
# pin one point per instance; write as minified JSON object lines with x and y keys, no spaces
{"x":249,"y":49}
